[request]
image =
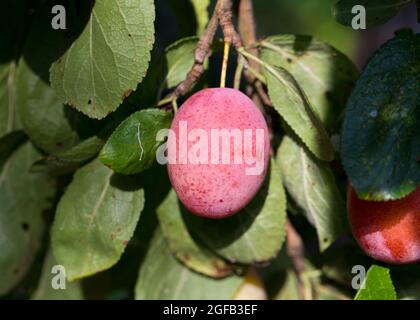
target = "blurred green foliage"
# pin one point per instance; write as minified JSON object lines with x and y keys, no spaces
{"x":311,"y":17}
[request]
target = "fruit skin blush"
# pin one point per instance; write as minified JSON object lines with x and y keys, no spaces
{"x":218,"y":152}
{"x":388,"y":231}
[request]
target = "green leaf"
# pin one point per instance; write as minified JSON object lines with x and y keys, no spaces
{"x":377,"y":285}
{"x":380,"y":147}
{"x":13,"y":25}
{"x":45,"y":291}
{"x":50,"y":125}
{"x":162,"y":276}
{"x":109,"y":58}
{"x":377,"y":11}
{"x":292,"y":104}
{"x":165,"y":72}
{"x":179,"y":59}
{"x":181,"y":243}
{"x":312,"y":186}
{"x":202,"y":16}
{"x":253,"y":235}
{"x":95,"y":219}
{"x":9,"y":120}
{"x":23,"y":197}
{"x":8,"y":143}
{"x":132,"y":146}
{"x":69,"y":160}
{"x":324,"y":73}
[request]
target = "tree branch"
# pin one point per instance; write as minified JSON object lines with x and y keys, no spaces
{"x":246,"y":25}
{"x":224,"y":13}
{"x":201,"y":53}
{"x":296,"y":252}
{"x":247,"y":28}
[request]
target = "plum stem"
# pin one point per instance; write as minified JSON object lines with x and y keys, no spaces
{"x":165,"y":101}
{"x":222,"y":15}
{"x":224,"y":64}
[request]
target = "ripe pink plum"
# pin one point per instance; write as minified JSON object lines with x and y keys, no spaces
{"x":388,"y":231}
{"x":221,"y":176}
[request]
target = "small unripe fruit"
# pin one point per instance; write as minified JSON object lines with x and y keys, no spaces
{"x":388,"y":231}
{"x":222,"y":180}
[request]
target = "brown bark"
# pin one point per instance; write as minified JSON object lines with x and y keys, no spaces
{"x":247,"y":30}
{"x":201,"y":53}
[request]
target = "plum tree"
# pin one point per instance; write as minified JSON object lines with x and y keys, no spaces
{"x":92,"y":142}
{"x":219,"y":150}
{"x":388,"y":231}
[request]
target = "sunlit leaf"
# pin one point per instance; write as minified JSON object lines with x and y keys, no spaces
{"x":377,"y":285}
{"x":292,"y":104}
{"x":181,"y":243}
{"x":23,"y":197}
{"x":108,"y":59}
{"x":325,"y":74}
{"x":95,"y":219}
{"x":45,"y":289}
{"x":200,"y":8}
{"x":162,"y":276}
{"x":132,"y":147}
{"x":312,"y":186}
{"x":256,"y":233}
